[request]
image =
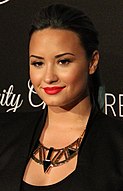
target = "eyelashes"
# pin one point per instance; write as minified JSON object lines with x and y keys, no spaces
{"x":37,"y":64}
{"x":61,"y":62}
{"x":64,"y":61}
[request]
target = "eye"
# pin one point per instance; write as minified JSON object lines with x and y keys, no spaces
{"x":37,"y":64}
{"x":64,"y":61}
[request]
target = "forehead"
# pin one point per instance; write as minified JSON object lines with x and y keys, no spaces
{"x":55,"y":38}
{"x":51,"y":33}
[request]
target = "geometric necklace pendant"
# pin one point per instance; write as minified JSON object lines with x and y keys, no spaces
{"x":71,"y":152}
{"x":47,"y":164}
{"x":51,"y":157}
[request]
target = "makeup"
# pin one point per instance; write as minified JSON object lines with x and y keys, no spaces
{"x":53,"y":90}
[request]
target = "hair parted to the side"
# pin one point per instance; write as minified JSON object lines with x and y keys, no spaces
{"x":60,"y":16}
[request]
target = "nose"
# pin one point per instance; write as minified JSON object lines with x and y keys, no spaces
{"x":50,"y":75}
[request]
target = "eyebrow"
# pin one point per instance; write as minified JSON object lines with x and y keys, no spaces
{"x":57,"y":56}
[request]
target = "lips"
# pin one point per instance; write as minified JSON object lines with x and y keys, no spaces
{"x":53,"y":90}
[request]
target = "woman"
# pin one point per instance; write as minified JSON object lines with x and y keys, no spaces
{"x":71,"y":145}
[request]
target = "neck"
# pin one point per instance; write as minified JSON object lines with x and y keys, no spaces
{"x":76,"y":115}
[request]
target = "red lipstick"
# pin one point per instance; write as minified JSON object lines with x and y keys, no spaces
{"x":53,"y":90}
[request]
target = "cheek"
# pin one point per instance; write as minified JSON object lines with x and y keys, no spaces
{"x":35,"y":78}
{"x":77,"y":77}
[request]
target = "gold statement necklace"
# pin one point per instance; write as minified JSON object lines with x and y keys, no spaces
{"x":51,"y":157}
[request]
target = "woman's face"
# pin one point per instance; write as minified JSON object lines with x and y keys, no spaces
{"x":59,"y":67}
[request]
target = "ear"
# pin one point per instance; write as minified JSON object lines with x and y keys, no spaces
{"x":94,"y":62}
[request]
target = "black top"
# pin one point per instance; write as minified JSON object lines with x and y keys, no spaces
{"x":100,"y":159}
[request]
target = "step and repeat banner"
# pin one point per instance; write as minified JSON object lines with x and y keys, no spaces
{"x":16,"y":91}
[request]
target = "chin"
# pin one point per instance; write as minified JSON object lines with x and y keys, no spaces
{"x":54,"y":103}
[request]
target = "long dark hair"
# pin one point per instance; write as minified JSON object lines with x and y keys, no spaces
{"x":60,"y":16}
